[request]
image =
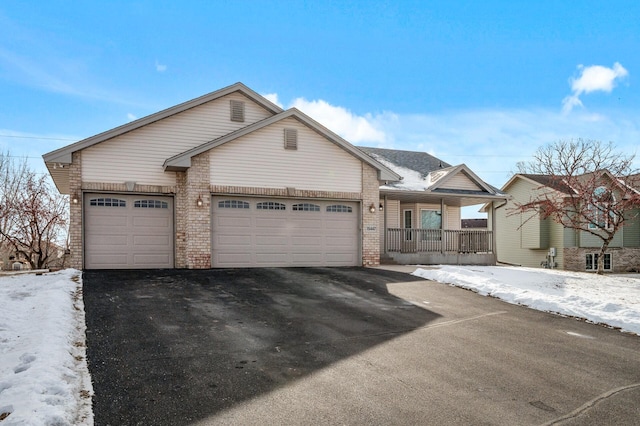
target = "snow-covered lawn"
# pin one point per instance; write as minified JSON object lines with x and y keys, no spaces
{"x":602,"y":299}
{"x":44,"y":378}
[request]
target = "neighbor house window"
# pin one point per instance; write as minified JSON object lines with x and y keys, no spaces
{"x":233,"y":204}
{"x":600,"y":213}
{"x":107,"y":202}
{"x":591,"y":261}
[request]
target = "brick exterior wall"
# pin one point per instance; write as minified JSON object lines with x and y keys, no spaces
{"x":370,"y":221}
{"x":622,"y":259}
{"x":198,"y":218}
{"x":181,"y":220}
{"x":75,"y":212}
{"x":284,"y":192}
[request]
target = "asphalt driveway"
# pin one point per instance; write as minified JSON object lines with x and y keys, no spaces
{"x":342,"y":346}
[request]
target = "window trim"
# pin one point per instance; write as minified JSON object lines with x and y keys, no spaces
{"x":594,"y":262}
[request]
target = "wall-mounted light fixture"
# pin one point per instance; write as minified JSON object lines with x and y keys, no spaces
{"x":372,"y":208}
{"x":381,"y":208}
{"x":199,"y":201}
{"x":74,"y":199}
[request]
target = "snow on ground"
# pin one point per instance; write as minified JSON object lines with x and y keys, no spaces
{"x":602,"y":299}
{"x":44,"y":378}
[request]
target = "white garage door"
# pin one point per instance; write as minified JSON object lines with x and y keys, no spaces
{"x":128,"y":231}
{"x":252,"y":232}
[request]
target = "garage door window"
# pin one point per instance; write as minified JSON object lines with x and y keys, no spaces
{"x":107,"y":202}
{"x":151,"y":204}
{"x":339,"y":208}
{"x":306,"y":207}
{"x":233,"y":204}
{"x":271,"y":205}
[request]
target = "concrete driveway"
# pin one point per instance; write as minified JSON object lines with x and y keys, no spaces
{"x":343,"y":346}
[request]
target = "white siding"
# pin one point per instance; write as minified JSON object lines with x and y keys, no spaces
{"x":461,"y":181}
{"x":139,"y":155}
{"x":260,"y":160}
{"x":392,"y":213}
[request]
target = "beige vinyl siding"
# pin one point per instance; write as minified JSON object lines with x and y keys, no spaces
{"x":260,"y":160}
{"x":460,"y":181}
{"x":453,"y":218}
{"x":392,"y":213}
{"x":139,"y":155}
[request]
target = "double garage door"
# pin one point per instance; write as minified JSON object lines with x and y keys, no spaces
{"x":254,"y":232}
{"x":137,"y":231}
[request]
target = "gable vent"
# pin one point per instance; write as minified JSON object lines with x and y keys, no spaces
{"x":237,"y":111}
{"x":290,"y":139}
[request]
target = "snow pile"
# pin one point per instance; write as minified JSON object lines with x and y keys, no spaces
{"x":44,"y":378}
{"x":602,"y":299}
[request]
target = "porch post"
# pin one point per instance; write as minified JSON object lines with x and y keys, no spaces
{"x":493,"y":233}
{"x":441,"y":225}
{"x":384,"y":230}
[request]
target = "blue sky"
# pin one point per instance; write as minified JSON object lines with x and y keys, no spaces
{"x":482,"y":83}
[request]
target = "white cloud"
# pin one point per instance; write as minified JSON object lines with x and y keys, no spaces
{"x":160,"y":67}
{"x":593,"y":78}
{"x":354,"y":128}
{"x":273,"y":97}
{"x":131,"y":117}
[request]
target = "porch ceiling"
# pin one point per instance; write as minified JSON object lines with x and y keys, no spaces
{"x":450,"y":199}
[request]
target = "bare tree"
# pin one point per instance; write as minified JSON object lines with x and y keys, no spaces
{"x":33,"y":215}
{"x":588,"y":186}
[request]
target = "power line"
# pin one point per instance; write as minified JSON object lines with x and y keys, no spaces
{"x":36,"y":137}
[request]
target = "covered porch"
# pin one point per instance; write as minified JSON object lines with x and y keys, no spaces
{"x":425,"y":228}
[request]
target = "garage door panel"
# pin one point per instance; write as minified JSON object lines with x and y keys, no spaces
{"x":119,"y":235}
{"x":151,"y":241}
{"x":286,"y":237}
{"x":105,"y":220}
{"x":151,"y":222}
{"x":237,"y":222}
{"x":234,"y":240}
{"x":151,"y":260}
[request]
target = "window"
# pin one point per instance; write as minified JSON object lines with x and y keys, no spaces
{"x":600,"y":211}
{"x":290,"y":139}
{"x":271,"y":205}
{"x":339,"y":208}
{"x":107,"y":202}
{"x":233,"y":204}
{"x":591,"y":261}
{"x":306,"y":207}
{"x":430,"y":220}
{"x":237,"y":111}
{"x":151,"y":204}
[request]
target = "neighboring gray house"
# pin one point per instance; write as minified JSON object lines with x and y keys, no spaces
{"x":527,"y":240}
{"x":230,"y":179}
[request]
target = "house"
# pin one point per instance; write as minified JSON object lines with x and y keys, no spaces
{"x":230,"y":179}
{"x":526,"y":239}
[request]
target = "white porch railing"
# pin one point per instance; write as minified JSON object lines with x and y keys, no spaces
{"x":438,"y":241}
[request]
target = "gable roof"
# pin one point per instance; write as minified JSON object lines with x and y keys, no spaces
{"x":63,"y":155}
{"x":182,"y":161}
{"x":419,"y":161}
{"x":424,"y":172}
